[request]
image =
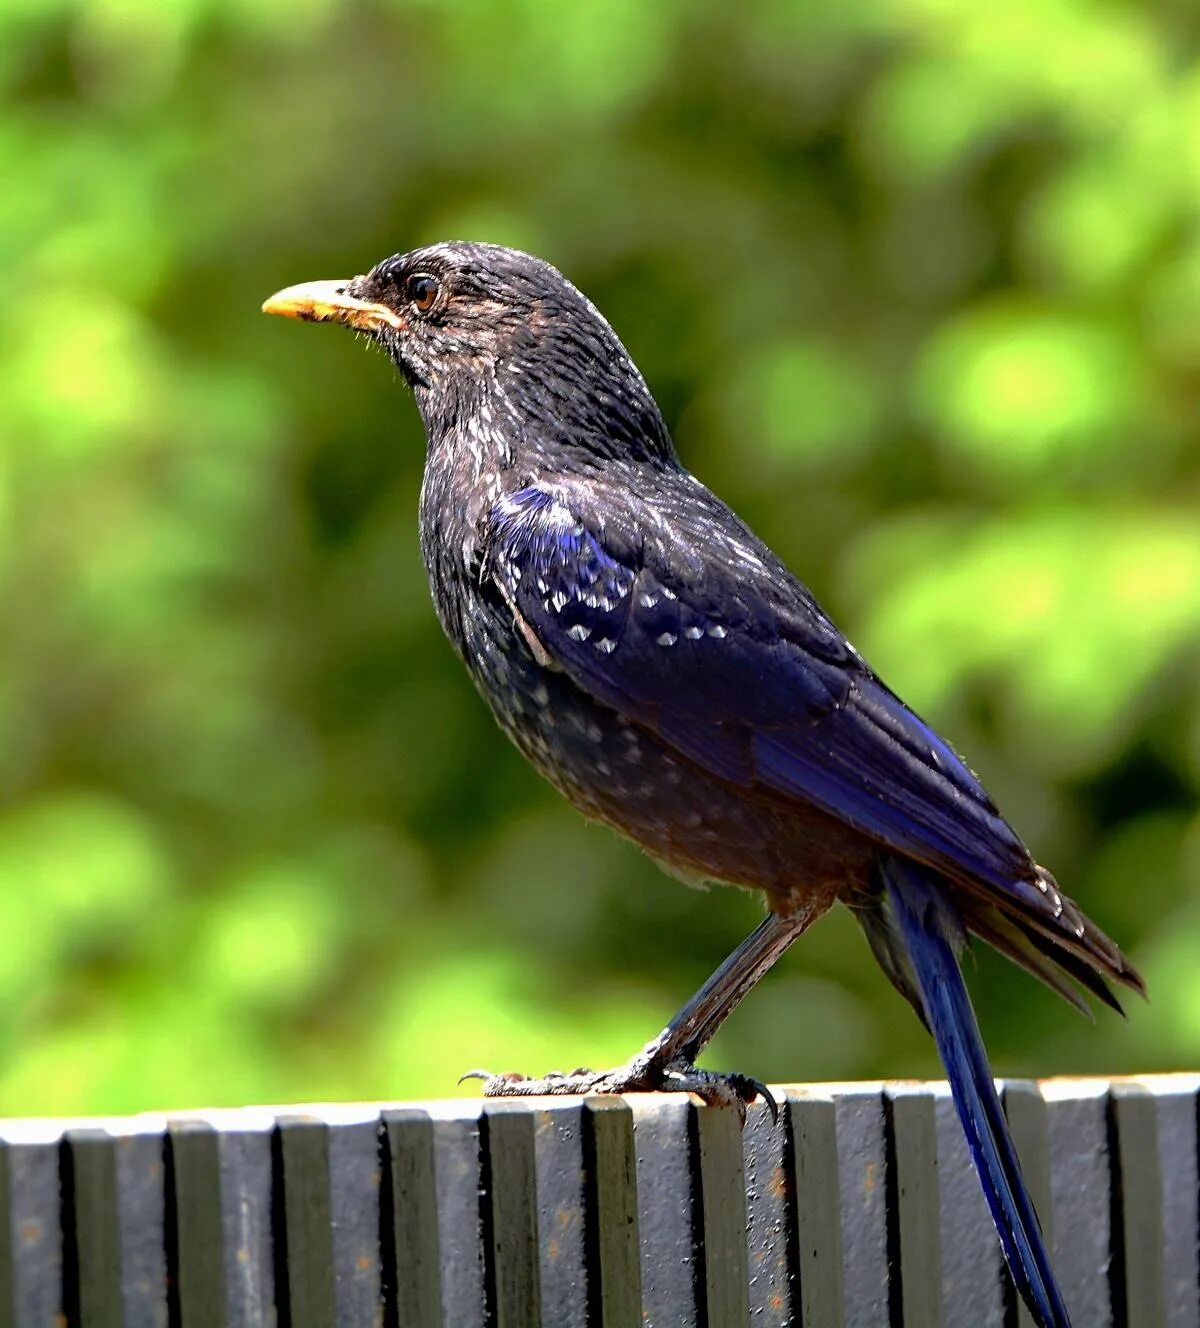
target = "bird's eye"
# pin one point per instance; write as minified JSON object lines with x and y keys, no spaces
{"x":422,"y":291}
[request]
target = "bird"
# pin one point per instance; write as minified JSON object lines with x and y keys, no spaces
{"x":663,"y":668}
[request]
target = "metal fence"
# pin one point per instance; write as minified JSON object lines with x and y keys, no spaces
{"x":858,"y":1207}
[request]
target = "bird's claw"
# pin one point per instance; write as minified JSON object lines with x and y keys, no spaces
{"x":640,"y":1075}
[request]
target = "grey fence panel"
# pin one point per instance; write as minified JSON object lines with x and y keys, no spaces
{"x":614,"y":1243}
{"x":1086,"y":1245}
{"x":974,"y":1281}
{"x":31,"y":1260}
{"x":862,"y":1152}
{"x":771,"y":1222}
{"x":1133,"y":1119}
{"x":464,"y":1241}
{"x":561,"y":1216}
{"x":115,"y":1226}
{"x":329,"y":1167}
{"x":914,"y":1196}
{"x":1027,"y":1119}
{"x":221,"y":1191}
{"x":721,"y":1180}
{"x":858,"y":1206}
{"x":672,"y":1286}
{"x":411,"y":1199}
{"x":820,"y":1170}
{"x":509,"y":1128}
{"x":1176,"y":1097}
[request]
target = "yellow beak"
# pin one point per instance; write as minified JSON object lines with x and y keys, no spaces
{"x":327,"y":302}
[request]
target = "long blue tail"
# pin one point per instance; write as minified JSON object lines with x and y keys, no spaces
{"x":932,"y":936}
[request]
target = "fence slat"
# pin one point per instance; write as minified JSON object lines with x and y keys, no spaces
{"x":31,"y":1259}
{"x":973,"y":1275}
{"x":116,"y":1185}
{"x":862,"y":1153}
{"x":914,"y":1187}
{"x":463,"y":1239}
{"x":222,"y":1192}
{"x":672,"y":1290}
{"x":1176,"y":1100}
{"x":720,"y":1176}
{"x":1135,"y":1119}
{"x":414,"y":1216}
{"x":1027,"y":1122}
{"x":564,"y":1276}
{"x":769,"y":1162}
{"x":615,"y":1286}
{"x":820,"y":1262}
{"x":1085,"y":1249}
{"x":512,"y":1183}
{"x":331,"y":1180}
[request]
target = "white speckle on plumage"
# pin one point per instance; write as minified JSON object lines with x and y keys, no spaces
{"x":717,"y":632}
{"x":648,"y":600}
{"x":603,"y":768}
{"x":606,"y":645}
{"x":693,"y":633}
{"x":669,"y":593}
{"x":579,"y":632}
{"x":666,"y":638}
{"x":558,"y":599}
{"x":540,"y":694}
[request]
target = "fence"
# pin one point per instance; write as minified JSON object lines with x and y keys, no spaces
{"x":858,"y":1207}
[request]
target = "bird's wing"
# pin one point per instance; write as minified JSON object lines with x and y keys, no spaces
{"x":664,"y":606}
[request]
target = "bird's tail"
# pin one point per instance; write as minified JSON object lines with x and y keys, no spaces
{"x":917,"y":935}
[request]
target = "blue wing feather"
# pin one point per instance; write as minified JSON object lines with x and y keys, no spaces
{"x":723,"y":653}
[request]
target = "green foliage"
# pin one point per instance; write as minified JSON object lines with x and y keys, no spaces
{"x":918,"y":286}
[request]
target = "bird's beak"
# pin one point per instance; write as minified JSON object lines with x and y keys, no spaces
{"x":330,"y":302}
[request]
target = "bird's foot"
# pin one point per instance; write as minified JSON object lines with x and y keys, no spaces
{"x":643,"y":1074}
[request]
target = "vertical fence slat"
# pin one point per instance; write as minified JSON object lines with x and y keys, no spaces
{"x":304,"y":1162}
{"x":1082,"y":1177}
{"x":1176,"y":1100}
{"x":564,"y":1276}
{"x":222,"y":1189}
{"x":862,"y":1153}
{"x":31,"y":1261}
{"x":1141,"y":1198}
{"x":820,"y":1262}
{"x":973,"y":1274}
{"x":195,"y":1152}
{"x":721,"y":1178}
{"x":914,"y":1192}
{"x":1027,"y":1122}
{"x":463,"y":1238}
{"x":511,"y":1170}
{"x":414,"y":1211}
{"x":771,"y":1248}
{"x":672,"y":1295}
{"x":615,"y":1275}
{"x":331,"y":1182}
{"x":117,"y":1182}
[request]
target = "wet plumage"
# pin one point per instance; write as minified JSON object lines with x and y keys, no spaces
{"x":664,"y":669}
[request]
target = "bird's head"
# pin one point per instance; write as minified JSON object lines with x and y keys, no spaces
{"x":464,"y":321}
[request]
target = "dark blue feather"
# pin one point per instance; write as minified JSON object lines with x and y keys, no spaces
{"x":931,"y":935}
{"x":723,"y":654}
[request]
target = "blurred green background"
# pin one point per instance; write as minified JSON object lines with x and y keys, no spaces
{"x":918,"y":287}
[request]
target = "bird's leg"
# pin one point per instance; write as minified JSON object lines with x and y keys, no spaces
{"x":667,"y":1063}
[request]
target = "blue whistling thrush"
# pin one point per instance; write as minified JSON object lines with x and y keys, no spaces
{"x":663,"y":669}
